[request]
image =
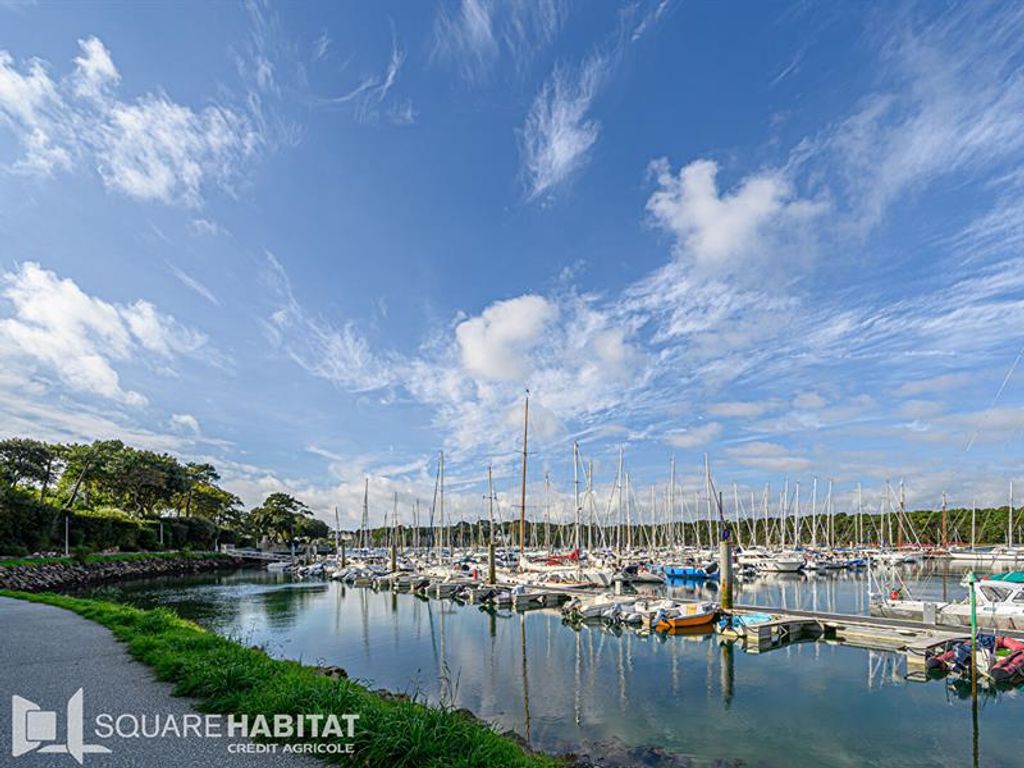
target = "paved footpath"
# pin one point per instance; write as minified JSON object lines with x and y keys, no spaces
{"x":48,"y":653}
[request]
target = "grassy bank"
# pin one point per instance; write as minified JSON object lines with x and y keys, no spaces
{"x":121,"y":557}
{"x":227,"y":677}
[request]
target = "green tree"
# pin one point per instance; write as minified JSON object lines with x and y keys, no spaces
{"x":144,"y":481}
{"x":278,"y":517}
{"x":23,"y":460}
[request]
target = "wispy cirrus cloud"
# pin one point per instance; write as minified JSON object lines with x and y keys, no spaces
{"x":193,"y":284}
{"x":559,"y":131}
{"x":475,"y":34}
{"x":370,"y":99}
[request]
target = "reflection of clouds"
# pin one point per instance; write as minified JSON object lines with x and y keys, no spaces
{"x":633,"y":690}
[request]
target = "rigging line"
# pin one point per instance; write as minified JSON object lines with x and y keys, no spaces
{"x":999,"y":392}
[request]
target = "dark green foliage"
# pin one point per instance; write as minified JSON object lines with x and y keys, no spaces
{"x":119,"y":497}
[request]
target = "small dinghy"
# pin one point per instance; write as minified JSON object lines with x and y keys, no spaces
{"x":688,"y":616}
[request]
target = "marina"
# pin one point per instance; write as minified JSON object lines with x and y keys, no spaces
{"x":627,"y":691}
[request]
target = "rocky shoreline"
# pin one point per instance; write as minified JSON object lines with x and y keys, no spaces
{"x":68,"y":576}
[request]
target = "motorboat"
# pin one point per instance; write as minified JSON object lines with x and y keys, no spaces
{"x":999,"y":603}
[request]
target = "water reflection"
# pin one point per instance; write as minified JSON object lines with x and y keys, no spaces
{"x":618,"y":694}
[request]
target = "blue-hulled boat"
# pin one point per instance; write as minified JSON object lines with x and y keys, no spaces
{"x":691,"y":572}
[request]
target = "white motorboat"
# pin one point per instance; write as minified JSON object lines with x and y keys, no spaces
{"x":999,"y":605}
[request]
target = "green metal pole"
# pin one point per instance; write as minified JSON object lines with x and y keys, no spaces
{"x":971,"y":579}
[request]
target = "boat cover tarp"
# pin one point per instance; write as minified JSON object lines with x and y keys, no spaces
{"x":1013,"y":577}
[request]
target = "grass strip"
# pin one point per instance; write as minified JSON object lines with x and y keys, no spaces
{"x":227,"y":677}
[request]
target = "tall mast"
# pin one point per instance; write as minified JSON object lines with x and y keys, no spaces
{"x":672,"y":501}
{"x":796,"y":517}
{"x":974,"y":521}
{"x":814,"y":513}
{"x":622,"y":512}
{"x":445,"y":533}
{"x":366,"y":514}
{"x":337,"y":534}
{"x":394,"y":522}
{"x":767,"y":494}
{"x":707,"y":493}
{"x":887,"y":517}
{"x":490,"y":500}
{"x":589,"y":490}
{"x":576,"y":490}
{"x":547,"y":511}
{"x":945,"y":537}
{"x":522,"y":495}
{"x":900,"y":516}
{"x":736,"y":511}
{"x":1009,"y":524}
{"x":860,"y":521}
{"x":830,"y":516}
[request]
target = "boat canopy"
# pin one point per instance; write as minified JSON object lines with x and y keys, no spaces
{"x":1013,"y":577}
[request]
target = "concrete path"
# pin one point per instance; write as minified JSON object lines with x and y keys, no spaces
{"x":47,"y":654}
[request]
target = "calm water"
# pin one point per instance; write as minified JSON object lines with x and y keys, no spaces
{"x":621,"y":695}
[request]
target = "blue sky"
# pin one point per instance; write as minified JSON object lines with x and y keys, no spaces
{"x":321,"y":243}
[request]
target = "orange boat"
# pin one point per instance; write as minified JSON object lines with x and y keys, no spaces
{"x":691,"y":616}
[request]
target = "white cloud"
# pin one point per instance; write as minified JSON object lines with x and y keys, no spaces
{"x":559,"y":132}
{"x":754,"y":222}
{"x":493,"y":345}
{"x":94,"y":70}
{"x":950,"y":99}
{"x":192,"y":284}
{"x":322,"y":45}
{"x":150,"y":149}
{"x":694,"y":437}
{"x":936,"y":384}
{"x":739,"y":410}
{"x":810,"y":401}
{"x":339,"y":354}
{"x":156,"y":149}
{"x":368,"y":99}
{"x":201,"y":226}
{"x":475,"y":36}
{"x":58,"y":328}
{"x":185,"y":422}
{"x":770,"y":457}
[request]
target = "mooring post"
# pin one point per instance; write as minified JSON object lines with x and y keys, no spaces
{"x":394,"y":558}
{"x":491,"y":576}
{"x":725,"y":568}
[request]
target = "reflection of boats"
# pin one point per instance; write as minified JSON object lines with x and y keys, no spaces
{"x":999,"y":598}
{"x":689,"y":616}
{"x":697,"y":632}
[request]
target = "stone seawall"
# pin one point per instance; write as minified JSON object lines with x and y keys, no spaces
{"x":59,"y":577}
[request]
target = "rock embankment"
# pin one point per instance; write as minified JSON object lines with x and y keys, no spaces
{"x":65,"y":576}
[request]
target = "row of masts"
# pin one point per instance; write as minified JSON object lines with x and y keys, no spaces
{"x":669,"y":519}
{"x":626,"y":525}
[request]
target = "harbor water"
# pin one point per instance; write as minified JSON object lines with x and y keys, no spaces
{"x":623,"y":697}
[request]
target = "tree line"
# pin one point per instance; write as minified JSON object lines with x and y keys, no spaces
{"x":131,"y":498}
